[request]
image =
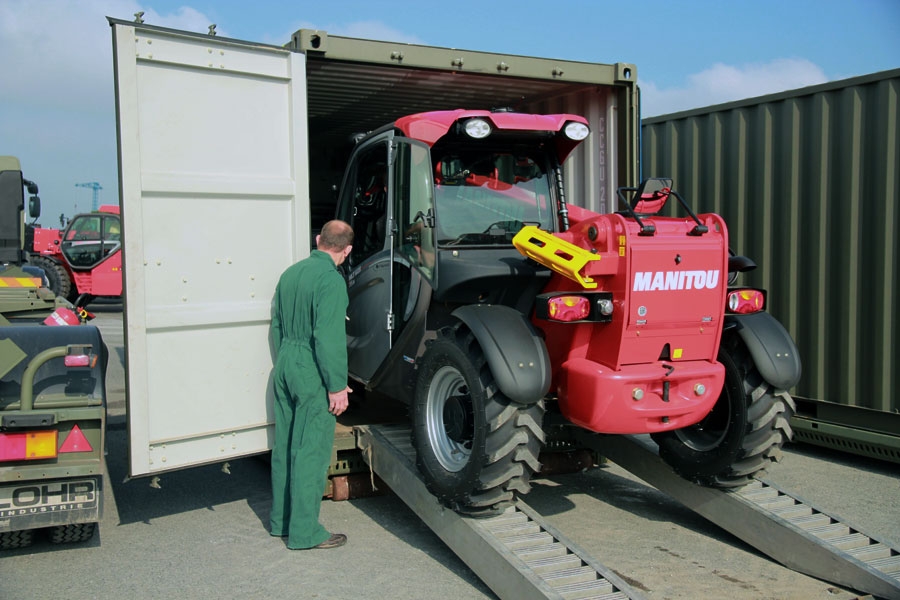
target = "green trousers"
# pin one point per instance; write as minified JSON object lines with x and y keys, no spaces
{"x":304,"y":436}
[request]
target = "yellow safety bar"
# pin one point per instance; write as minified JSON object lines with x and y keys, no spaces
{"x":565,"y":258}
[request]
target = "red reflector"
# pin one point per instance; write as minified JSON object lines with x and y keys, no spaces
{"x":76,"y":442}
{"x":568,"y":308}
{"x":744,"y":302}
{"x":77,"y":360}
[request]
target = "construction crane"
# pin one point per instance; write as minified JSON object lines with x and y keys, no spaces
{"x":96,"y":187}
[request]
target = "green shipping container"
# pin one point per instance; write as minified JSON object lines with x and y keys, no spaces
{"x":807,"y":181}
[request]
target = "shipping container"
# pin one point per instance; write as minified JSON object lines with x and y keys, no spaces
{"x":230,"y":153}
{"x":807,"y":181}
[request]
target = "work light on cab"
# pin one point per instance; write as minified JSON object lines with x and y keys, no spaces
{"x":576,"y":131}
{"x":746,"y":301}
{"x":478,"y":128}
{"x":568,"y":308}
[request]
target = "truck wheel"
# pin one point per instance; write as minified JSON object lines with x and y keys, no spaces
{"x":742,"y":434}
{"x":16,"y":539}
{"x":56,"y":275}
{"x":77,"y":532}
{"x":474,"y":446}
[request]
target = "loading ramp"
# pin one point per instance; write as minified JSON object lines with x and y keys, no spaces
{"x":516,"y":554}
{"x":785,"y":527}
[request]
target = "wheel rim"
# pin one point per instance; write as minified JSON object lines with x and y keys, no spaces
{"x":709,"y":433}
{"x":449,"y":419}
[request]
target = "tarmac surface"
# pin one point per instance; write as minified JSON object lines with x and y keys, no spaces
{"x":203,"y":533}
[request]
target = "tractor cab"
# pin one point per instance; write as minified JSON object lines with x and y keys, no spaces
{"x":435,"y":200}
{"x":91,"y":238}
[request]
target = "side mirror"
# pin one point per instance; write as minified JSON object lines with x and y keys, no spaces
{"x":34,"y":207}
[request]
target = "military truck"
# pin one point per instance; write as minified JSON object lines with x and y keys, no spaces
{"x":52,"y":393}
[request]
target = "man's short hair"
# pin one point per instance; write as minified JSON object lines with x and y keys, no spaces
{"x":335,"y":235}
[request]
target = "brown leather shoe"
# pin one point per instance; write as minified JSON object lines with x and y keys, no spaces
{"x":335,"y":541}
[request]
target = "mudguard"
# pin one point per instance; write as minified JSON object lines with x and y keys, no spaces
{"x":515,"y":353}
{"x":771,"y":347}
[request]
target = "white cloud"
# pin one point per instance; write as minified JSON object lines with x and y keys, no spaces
{"x":57,"y":94}
{"x":725,"y":83}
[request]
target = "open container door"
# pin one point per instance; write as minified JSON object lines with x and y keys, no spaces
{"x":214,"y":192}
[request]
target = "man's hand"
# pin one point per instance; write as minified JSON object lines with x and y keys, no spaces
{"x":337,"y":401}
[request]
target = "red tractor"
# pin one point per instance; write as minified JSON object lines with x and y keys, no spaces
{"x":482,"y":299}
{"x":84,"y":261}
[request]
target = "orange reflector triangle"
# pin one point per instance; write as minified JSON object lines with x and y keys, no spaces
{"x":76,"y":442}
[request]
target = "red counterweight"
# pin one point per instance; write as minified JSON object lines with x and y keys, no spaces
{"x":648,"y":364}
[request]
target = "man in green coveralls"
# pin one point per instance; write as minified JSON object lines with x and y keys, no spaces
{"x":310,"y":379}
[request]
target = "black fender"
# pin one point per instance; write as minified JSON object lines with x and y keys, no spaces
{"x":771,"y":347}
{"x":515,"y":352}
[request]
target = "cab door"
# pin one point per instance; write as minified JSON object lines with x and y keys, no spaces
{"x":364,"y":205}
{"x":386,"y":197}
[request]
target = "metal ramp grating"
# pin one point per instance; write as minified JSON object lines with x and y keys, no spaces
{"x":861,"y":550}
{"x":783,"y":526}
{"x":516,"y":553}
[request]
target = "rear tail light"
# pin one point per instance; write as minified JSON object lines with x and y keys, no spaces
{"x":80,"y":356}
{"x":28,"y":445}
{"x":568,"y":308}
{"x":746,"y":301}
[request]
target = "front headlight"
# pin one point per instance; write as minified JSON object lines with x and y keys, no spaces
{"x":576,"y":131}
{"x":478,"y":128}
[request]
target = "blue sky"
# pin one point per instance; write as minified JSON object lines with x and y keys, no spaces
{"x":57,"y":101}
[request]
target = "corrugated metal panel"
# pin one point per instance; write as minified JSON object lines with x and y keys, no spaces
{"x":808,"y":183}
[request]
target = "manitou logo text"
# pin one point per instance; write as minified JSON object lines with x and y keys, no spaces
{"x":652,"y":281}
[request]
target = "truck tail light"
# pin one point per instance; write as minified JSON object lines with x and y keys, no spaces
{"x":746,"y":301}
{"x":80,"y":356}
{"x":28,"y":445}
{"x":568,"y":308}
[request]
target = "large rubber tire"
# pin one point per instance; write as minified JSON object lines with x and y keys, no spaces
{"x":59,"y":280}
{"x":16,"y":539}
{"x":474,"y":447}
{"x":741,"y":436}
{"x":67,"y":534}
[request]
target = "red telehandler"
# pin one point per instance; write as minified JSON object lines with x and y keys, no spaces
{"x":83,"y":261}
{"x":497,"y":311}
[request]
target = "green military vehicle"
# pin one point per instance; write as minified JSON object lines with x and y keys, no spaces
{"x":52,"y":393}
